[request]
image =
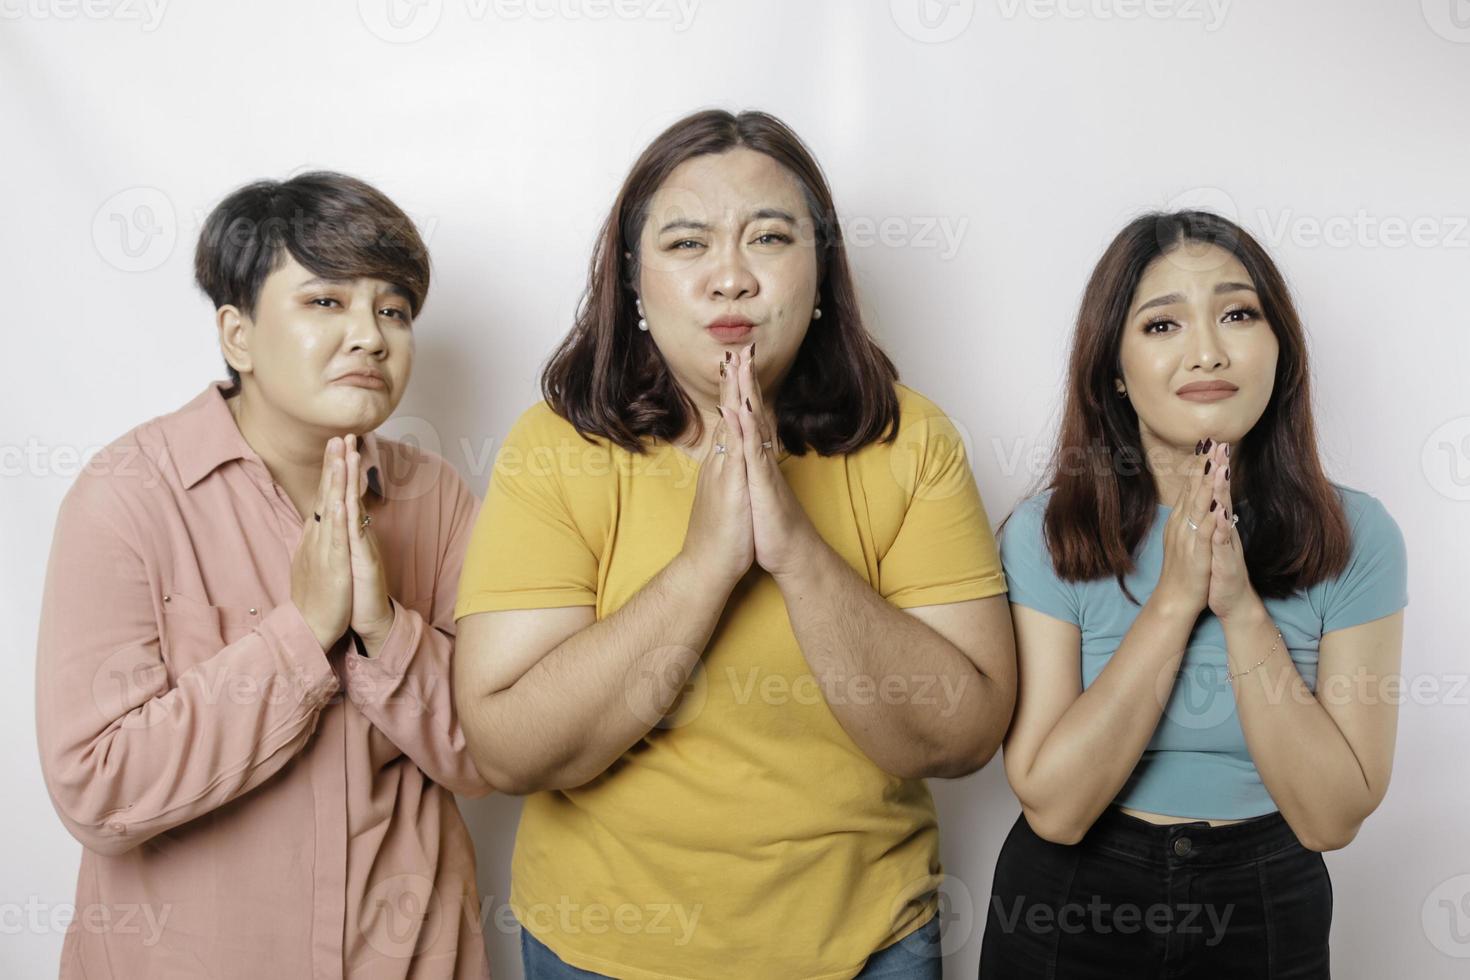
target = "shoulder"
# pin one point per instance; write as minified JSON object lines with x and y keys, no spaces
{"x":1371,"y":527}
{"x":410,"y":471}
{"x":924,"y":428}
{"x":1367,"y":517}
{"x":1025,"y":526}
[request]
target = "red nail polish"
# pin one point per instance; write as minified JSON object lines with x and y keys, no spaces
{"x":752,"y":352}
{"x":1208,"y":444}
{"x":747,"y":406}
{"x":1212,"y":505}
{"x":1207,"y":466}
{"x":727,"y":357}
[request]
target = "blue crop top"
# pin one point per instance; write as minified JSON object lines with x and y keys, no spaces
{"x":1196,"y":764}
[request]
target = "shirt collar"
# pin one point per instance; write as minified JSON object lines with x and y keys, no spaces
{"x":203,"y":435}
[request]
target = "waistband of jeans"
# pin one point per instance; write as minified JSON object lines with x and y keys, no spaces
{"x":1191,"y":842}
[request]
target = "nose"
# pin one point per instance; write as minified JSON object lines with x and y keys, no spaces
{"x":363,"y":332}
{"x":1207,"y":352}
{"x":731,"y":278}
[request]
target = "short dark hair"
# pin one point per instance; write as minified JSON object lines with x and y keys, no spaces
{"x":337,"y":226}
{"x":608,"y":378}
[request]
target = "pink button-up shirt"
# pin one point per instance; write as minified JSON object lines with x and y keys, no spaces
{"x":252,"y":807}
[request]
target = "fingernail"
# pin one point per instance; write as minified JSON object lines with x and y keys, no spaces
{"x":1207,"y":466}
{"x":727,"y":357}
{"x":1227,"y":474}
{"x":1212,"y":505}
{"x":752,"y":352}
{"x":747,"y":406}
{"x":1198,"y":447}
{"x":1227,"y":449}
{"x":1208,"y":444}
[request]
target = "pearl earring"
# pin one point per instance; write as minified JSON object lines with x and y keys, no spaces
{"x":817,"y":313}
{"x":642,"y":322}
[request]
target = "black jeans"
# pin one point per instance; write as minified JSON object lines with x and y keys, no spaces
{"x":1139,"y":901}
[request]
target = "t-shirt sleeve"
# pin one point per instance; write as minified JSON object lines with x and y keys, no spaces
{"x":1032,"y":580}
{"x":944,"y":550}
{"x":526,"y":550}
{"x":1375,"y":582}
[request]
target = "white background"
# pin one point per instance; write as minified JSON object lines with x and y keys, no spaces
{"x":981,"y":156}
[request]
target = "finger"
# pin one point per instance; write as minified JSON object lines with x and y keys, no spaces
{"x":757,"y":397}
{"x":354,"y":466}
{"x":1226,"y":509}
{"x":319,"y":506}
{"x":1202,"y":494}
{"x":337,"y":494}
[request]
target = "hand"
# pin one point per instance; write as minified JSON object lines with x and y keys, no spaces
{"x":321,"y":571}
{"x":1230,"y":584}
{"x":784,"y":535}
{"x":372,"y":611}
{"x":1184,"y":582}
{"x":720,"y":538}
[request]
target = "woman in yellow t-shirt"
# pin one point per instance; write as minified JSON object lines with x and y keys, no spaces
{"x":731,"y":596}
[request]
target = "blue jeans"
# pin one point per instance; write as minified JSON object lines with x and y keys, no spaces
{"x":914,"y":957}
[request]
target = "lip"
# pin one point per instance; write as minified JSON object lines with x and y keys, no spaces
{"x":729,"y":329}
{"x":1207,"y":391}
{"x":362,"y":379}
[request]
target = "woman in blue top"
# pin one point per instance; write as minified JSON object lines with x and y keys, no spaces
{"x":1203,"y":625}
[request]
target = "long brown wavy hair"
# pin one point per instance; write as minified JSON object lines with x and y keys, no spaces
{"x":1292,"y":524}
{"x":608,"y":378}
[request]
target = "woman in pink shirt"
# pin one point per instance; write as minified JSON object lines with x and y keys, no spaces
{"x":243,"y":700}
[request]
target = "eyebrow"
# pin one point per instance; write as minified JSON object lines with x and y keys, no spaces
{"x":1172,"y":298}
{"x":759,"y":215}
{"x":393,"y":287}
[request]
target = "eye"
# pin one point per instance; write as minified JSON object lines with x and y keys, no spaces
{"x":1161,"y":321}
{"x":683,"y":242}
{"x":1243,"y":313}
{"x":394,"y":311}
{"x":772,"y":238}
{"x":321,"y":300}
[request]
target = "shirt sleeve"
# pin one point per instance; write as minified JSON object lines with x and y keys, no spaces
{"x":1375,"y":582}
{"x":944,"y":551}
{"x":526,"y":550}
{"x":1032,"y":579}
{"x":406,"y":691}
{"x":125,"y":753}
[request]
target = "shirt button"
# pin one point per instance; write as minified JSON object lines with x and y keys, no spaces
{"x":1183,"y":846}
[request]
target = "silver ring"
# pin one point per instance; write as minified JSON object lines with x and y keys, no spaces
{"x":1192,"y":525}
{"x":1234,"y":519}
{"x":719,"y":447}
{"x":766,"y":444}
{"x":366,"y":520}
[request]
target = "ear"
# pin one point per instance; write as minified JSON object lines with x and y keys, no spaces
{"x":234,"y":337}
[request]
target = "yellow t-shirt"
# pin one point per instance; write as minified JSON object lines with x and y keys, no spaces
{"x":746,"y":835}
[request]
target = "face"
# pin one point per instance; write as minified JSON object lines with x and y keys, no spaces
{"x":1198,"y":358}
{"x":307,"y":338}
{"x":727,"y":258}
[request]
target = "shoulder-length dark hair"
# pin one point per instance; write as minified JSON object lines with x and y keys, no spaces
{"x":608,"y":378}
{"x":1292,"y":523}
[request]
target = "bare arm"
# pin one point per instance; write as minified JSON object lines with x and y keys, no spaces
{"x":1051,"y":752}
{"x":923,"y":692}
{"x":1325,"y":758}
{"x":549,"y":698}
